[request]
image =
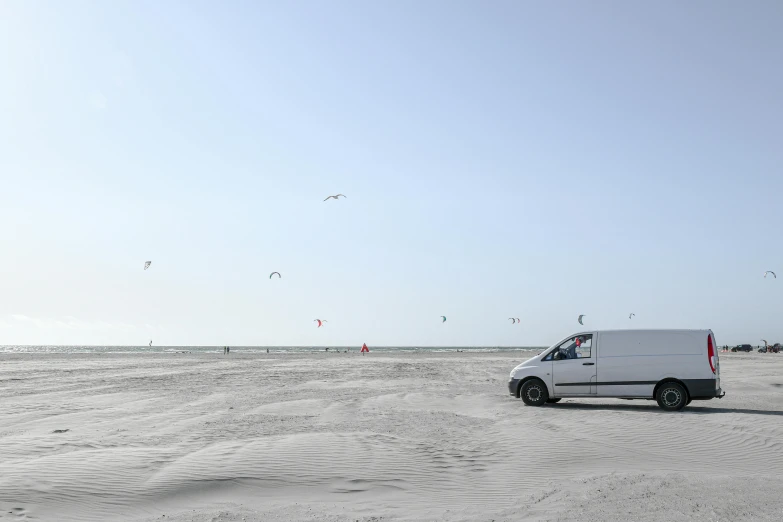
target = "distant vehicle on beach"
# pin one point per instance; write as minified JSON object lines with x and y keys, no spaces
{"x":672,"y":367}
{"x":772,"y":348}
{"x":742,"y":348}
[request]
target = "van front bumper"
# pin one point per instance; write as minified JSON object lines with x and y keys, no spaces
{"x":513,"y":386}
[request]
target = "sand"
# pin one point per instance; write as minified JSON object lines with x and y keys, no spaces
{"x":383,"y":437}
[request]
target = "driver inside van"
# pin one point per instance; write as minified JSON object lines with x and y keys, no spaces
{"x":569,"y":352}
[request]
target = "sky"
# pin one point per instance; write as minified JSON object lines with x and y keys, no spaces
{"x":500,"y":159}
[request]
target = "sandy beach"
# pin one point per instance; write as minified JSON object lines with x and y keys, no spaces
{"x":344,"y":437}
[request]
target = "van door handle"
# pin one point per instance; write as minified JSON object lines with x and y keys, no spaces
{"x":587,"y":364}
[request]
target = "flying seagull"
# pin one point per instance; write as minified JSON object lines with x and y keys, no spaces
{"x":336,"y":197}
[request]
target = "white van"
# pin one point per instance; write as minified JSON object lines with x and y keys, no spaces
{"x":673,"y":367}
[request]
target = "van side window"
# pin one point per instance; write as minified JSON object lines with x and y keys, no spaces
{"x":585,"y":350}
{"x":577,"y":347}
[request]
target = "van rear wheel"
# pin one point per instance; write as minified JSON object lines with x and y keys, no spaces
{"x":534,"y":393}
{"x":671,"y":396}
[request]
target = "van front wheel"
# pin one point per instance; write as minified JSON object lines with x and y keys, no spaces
{"x":534,"y":393}
{"x":672,"y":397}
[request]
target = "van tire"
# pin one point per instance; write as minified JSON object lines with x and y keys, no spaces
{"x":534,"y":393}
{"x":671,"y":396}
{"x":553,"y":401}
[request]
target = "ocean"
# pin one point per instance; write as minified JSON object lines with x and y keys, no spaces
{"x":256,"y":349}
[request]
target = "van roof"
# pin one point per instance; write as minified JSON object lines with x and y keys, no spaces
{"x":652,"y":330}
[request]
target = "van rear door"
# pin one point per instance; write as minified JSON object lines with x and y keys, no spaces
{"x":716,"y":359}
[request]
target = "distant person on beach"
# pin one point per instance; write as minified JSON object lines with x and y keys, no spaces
{"x":365,"y":349}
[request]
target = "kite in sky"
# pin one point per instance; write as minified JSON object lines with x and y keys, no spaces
{"x":148,"y":263}
{"x":273,"y":273}
{"x":580,"y":319}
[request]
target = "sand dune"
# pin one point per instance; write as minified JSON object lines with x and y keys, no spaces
{"x":338,"y":437}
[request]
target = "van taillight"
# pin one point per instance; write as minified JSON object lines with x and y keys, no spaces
{"x":711,"y":353}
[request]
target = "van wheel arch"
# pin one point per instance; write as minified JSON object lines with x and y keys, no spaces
{"x":670,"y":379}
{"x":530,"y":378}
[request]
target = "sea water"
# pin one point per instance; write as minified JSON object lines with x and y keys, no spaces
{"x":255,"y":349}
